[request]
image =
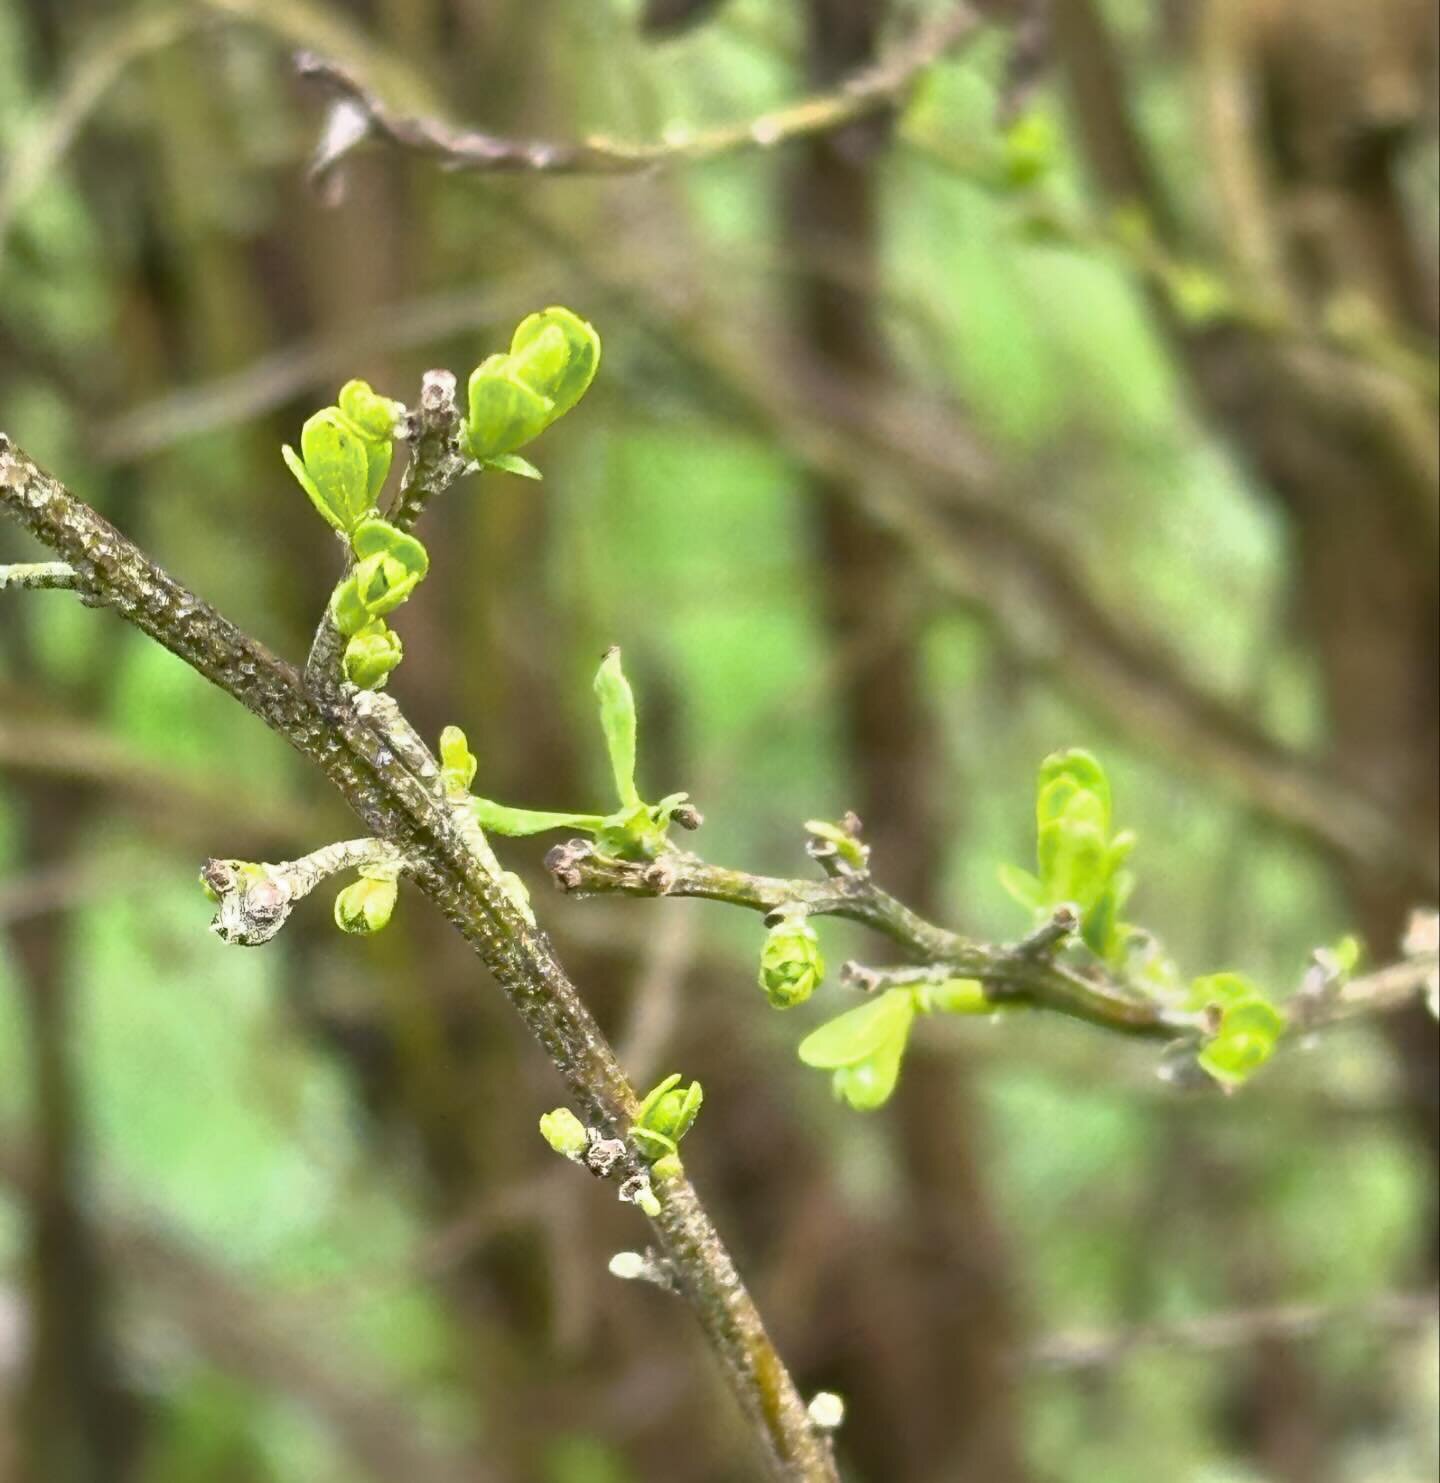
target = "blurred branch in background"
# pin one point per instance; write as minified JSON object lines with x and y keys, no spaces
{"x":1398,"y":1314}
{"x":281,"y":1346}
{"x":359,"y":112}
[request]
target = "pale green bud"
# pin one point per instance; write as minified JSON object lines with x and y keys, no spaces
{"x":457,"y":762}
{"x":665,"y":1116}
{"x":565,"y":1133}
{"x":371,"y":654}
{"x":366,"y":905}
{"x":791,"y":964}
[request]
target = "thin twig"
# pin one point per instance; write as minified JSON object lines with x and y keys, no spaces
{"x":358,"y":112}
{"x":39,"y":576}
{"x":1025,"y":973}
{"x":1011,"y":976}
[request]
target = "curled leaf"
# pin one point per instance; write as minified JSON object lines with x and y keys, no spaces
{"x":567,"y":378}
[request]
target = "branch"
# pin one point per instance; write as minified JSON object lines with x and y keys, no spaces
{"x":357,"y":113}
{"x":1082,"y":1350}
{"x":1011,"y":974}
{"x":255,"y":901}
{"x":37,"y":576}
{"x":1025,"y":973}
{"x":367,"y":762}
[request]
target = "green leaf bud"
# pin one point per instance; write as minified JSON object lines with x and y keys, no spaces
{"x":665,"y":1116}
{"x":652,"y":1145}
{"x":513,"y":398}
{"x":1083,"y":771}
{"x":366,"y":905}
{"x":370,"y":655}
{"x":565,"y":1133}
{"x":389,"y":566}
{"x":791,"y":964}
{"x":457,"y":763}
{"x":1245,"y":1041}
{"x":1222,"y":991}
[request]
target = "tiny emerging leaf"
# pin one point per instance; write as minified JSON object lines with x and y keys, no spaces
{"x":496,"y":818}
{"x":858,"y":1033}
{"x":617,"y":720}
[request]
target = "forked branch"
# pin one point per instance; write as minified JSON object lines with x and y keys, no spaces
{"x":372,"y":767}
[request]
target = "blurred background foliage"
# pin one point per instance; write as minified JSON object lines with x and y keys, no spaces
{"x":283,"y":1217}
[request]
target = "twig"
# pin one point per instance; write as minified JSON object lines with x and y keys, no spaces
{"x":39,"y":576}
{"x":1010,"y":976}
{"x":358,"y":112}
{"x":1025,"y":973}
{"x":401,"y":808}
{"x":255,"y":900}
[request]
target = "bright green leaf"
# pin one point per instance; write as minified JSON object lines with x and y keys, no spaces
{"x":457,"y":762}
{"x":570,"y":382}
{"x":1245,"y":1042}
{"x":868,"y":1084}
{"x":505,"y":413}
{"x":496,"y":818}
{"x":512,"y":463}
{"x":1084,"y":769}
{"x":380,"y":538}
{"x":375,"y":417}
{"x":859,"y":1033}
{"x":338,"y":465}
{"x":371,"y":655}
{"x":617,"y":721}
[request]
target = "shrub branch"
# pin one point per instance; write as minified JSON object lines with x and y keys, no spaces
{"x":370,"y":757}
